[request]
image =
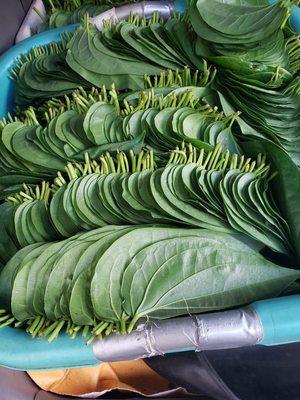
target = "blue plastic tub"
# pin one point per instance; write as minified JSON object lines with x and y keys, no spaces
{"x":17,"y":349}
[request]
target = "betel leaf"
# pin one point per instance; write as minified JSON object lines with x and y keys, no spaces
{"x":163,"y":250}
{"x":13,"y":266}
{"x":285,"y":185}
{"x":235,"y":22}
{"x":80,"y":304}
{"x":199,"y":274}
{"x":8,"y":243}
{"x":108,"y":273}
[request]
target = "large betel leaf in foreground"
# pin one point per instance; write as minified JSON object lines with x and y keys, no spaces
{"x":211,"y":271}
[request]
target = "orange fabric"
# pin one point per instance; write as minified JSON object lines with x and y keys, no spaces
{"x":133,"y":376}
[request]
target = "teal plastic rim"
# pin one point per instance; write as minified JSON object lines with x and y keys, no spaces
{"x":280,"y":319}
{"x":18,"y":350}
{"x":8,"y":59}
{"x":180,"y":5}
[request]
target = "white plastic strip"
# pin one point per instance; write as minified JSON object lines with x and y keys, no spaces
{"x":143,"y":9}
{"x":221,"y":330}
{"x":32,"y":20}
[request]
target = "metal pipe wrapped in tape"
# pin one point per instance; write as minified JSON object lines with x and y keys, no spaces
{"x":143,"y":9}
{"x":222,"y":330}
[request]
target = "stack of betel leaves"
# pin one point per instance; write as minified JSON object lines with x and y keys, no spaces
{"x":97,"y":121}
{"x":107,"y":279}
{"x":121,"y":53}
{"x":151,"y":170}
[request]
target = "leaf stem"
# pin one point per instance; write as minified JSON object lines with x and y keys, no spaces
{"x":133,"y":323}
{"x":56,"y":331}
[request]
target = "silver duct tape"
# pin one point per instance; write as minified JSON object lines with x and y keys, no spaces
{"x":229,"y":329}
{"x":143,"y":9}
{"x":222,"y":330}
